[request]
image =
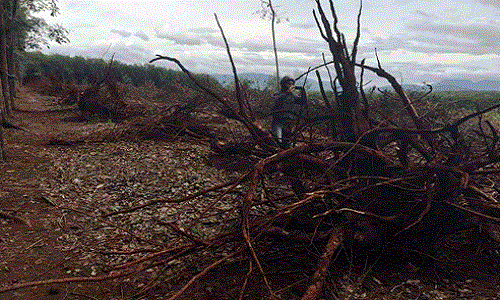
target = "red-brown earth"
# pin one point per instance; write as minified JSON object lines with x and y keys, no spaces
{"x":58,"y":192}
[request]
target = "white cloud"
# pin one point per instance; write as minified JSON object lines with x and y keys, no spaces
{"x":424,"y":14}
{"x":414,"y":38}
{"x":143,"y":36}
{"x":490,"y":2}
{"x":188,"y":37}
{"x":203,"y":30}
{"x":123,"y":33}
{"x":440,"y":37}
{"x":309,"y":25}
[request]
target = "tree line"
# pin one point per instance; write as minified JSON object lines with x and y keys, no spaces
{"x":21,"y":30}
{"x":81,"y":70}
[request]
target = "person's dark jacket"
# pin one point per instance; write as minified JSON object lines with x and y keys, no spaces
{"x":287,"y":106}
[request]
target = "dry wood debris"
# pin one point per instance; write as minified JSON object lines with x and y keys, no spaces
{"x":371,"y":182}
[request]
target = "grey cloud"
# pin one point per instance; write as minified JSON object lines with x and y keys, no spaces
{"x":434,"y":68}
{"x":185,"y":40}
{"x":469,"y":38}
{"x":190,"y":37}
{"x":141,"y":35}
{"x":303,"y":25}
{"x":179,"y":38}
{"x":209,"y":36}
{"x":391,"y":43}
{"x":295,"y":45}
{"x":218,"y":62}
{"x":132,"y":54}
{"x":424,"y":14}
{"x":434,"y":37}
{"x":83,"y":24}
{"x":469,"y":31}
{"x":122,"y":33}
{"x":490,"y":2}
{"x":416,"y":72}
{"x":202,"y":30}
{"x":260,"y":64}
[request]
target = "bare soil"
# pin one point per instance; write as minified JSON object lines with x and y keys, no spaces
{"x":57,"y":193}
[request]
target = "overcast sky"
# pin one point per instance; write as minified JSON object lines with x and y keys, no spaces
{"x":417,"y":41}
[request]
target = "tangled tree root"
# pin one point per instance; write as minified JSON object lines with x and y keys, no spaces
{"x":373,"y":182}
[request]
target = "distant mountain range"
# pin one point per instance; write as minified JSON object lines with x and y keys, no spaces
{"x":261,"y":81}
{"x":257,"y":80}
{"x":467,"y":85}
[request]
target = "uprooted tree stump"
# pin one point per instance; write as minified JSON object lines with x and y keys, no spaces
{"x":103,"y":100}
{"x":371,"y":182}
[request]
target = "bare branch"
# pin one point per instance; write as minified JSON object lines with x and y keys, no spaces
{"x":358,"y":35}
{"x":201,"y":274}
{"x":258,"y":134}
{"x":314,"y":290}
{"x":235,"y":73}
{"x":72,"y":279}
{"x":335,"y":21}
{"x":399,"y":90}
{"x":320,"y":32}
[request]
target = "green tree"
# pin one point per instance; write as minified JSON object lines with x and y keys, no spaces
{"x":32,"y":32}
{"x":22,"y":30}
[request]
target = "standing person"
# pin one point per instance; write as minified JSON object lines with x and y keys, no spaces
{"x":286,"y":109}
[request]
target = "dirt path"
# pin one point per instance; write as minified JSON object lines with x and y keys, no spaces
{"x":59,"y":191}
{"x":36,"y":250}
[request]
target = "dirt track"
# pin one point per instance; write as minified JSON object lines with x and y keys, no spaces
{"x":56,"y":192}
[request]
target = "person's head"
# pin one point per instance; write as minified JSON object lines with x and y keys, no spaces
{"x":285,"y":83}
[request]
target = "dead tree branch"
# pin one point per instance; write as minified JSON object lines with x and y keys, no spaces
{"x":259,"y":135}
{"x":353,"y":122}
{"x":235,"y":73}
{"x":399,"y":90}
{"x":314,"y":290}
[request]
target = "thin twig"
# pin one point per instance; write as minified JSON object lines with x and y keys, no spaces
{"x":33,"y":245}
{"x":171,"y":200}
{"x":109,"y":276}
{"x":15,"y":219}
{"x":83,"y":295}
{"x":427,"y":209}
{"x":202,"y":273}
{"x":245,"y":282}
{"x":481,"y":215}
{"x":245,"y":226}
